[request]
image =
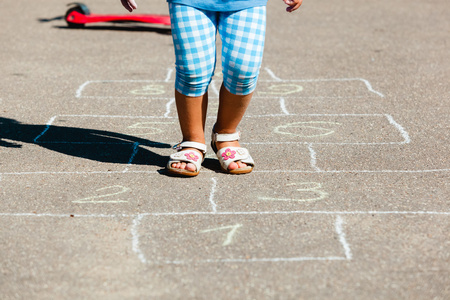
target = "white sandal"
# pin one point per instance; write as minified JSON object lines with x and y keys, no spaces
{"x":187,"y":156}
{"x":227,"y":155}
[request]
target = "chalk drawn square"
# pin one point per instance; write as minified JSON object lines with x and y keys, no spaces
{"x":328,"y":192}
{"x":114,"y":193}
{"x":109,"y":130}
{"x":238,"y":238}
{"x":277,"y":191}
{"x":317,"y":88}
{"x":411,"y":157}
{"x":325,"y":129}
{"x":126,"y":89}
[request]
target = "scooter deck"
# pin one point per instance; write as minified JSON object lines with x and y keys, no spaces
{"x":80,"y":15}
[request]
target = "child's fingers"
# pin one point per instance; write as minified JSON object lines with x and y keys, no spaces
{"x":129,"y":4}
{"x":293,"y":4}
{"x":126,"y":5}
{"x":132,"y":4}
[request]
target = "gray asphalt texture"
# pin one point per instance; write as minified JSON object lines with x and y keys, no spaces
{"x":349,"y":128}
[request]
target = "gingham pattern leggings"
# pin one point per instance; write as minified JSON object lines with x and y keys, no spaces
{"x":194,"y":37}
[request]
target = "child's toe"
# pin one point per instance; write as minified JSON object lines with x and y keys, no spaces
{"x":241,"y":165}
{"x":191,"y":167}
{"x":233,"y":166}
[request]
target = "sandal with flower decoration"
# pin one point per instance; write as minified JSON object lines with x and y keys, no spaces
{"x":187,"y":156}
{"x":227,"y":155}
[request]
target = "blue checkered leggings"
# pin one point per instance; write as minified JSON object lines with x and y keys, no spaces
{"x":194,"y":37}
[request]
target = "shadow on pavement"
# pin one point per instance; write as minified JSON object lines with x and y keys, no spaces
{"x":124,"y":26}
{"x":136,"y":28}
{"x":97,"y":145}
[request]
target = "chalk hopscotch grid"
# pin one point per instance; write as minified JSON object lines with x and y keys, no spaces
{"x":137,"y":218}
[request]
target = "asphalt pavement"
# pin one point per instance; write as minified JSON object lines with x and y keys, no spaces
{"x":349,"y":128}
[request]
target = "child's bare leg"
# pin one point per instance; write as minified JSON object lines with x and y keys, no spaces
{"x":231,"y":111}
{"x":192,"y":118}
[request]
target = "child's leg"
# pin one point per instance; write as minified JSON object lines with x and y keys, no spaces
{"x":242,"y":35}
{"x":192,"y":118}
{"x":194,"y":36}
{"x":231,"y":110}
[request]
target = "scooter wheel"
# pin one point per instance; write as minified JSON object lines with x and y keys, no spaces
{"x":80,"y":8}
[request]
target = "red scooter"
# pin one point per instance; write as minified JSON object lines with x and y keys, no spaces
{"x":79,"y":15}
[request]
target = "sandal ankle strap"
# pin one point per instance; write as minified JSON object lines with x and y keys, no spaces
{"x":187,"y":144}
{"x":226,"y":137}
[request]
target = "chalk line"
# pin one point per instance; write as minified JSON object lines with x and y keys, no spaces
{"x":403,"y":132}
{"x":210,"y":171}
{"x":66,"y":215}
{"x":272,"y":74}
{"x":114,"y":116}
{"x":206,"y":213}
{"x":316,"y":115}
{"x":214,"y":89}
{"x":168,"y":107}
{"x":283,"y":106}
{"x":369,"y":87}
{"x":211,"y":195}
{"x":247,"y":116}
{"x":249,"y":260}
{"x":80,"y":89}
{"x":338,"y":226}
{"x":301,"y":212}
{"x":124,"y":80}
{"x":323,"y":143}
{"x":313,"y":161}
{"x":133,"y":155}
{"x":169,"y":74}
{"x":149,"y":97}
{"x":135,"y":238}
{"x":352,"y":171}
{"x":97,"y":143}
{"x":49,"y":123}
